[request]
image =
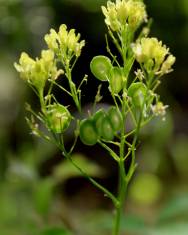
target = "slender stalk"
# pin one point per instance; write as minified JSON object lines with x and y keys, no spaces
{"x":84,"y":174}
{"x":42,"y":102}
{"x":73,"y":89}
{"x":94,"y":182}
{"x":139,"y":125}
{"x":111,"y":152}
{"x":122,"y":180}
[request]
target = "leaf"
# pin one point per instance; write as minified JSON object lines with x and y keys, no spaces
{"x":66,"y":170}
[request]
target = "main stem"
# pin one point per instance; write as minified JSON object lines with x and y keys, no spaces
{"x":121,"y":197}
{"x":122,"y":187}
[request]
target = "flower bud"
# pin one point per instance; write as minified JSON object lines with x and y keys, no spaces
{"x":64,"y":43}
{"x":51,"y":40}
{"x":166,"y":66}
{"x":25,"y":67}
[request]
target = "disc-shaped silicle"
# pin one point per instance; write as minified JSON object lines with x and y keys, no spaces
{"x":116,"y":80}
{"x":107,"y":130}
{"x":137,"y":92}
{"x":88,"y":133}
{"x":115,"y":118}
{"x":58,"y":118}
{"x":100,"y":67}
{"x":98,"y":120}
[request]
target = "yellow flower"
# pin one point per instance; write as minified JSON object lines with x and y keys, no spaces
{"x":137,"y":13}
{"x":38,"y":71}
{"x":166,"y":66}
{"x":151,"y":52}
{"x":52,"y":40}
{"x":111,"y":16}
{"x":124,"y":12}
{"x":25,"y":66}
{"x":62,"y":35}
{"x":64,"y":43}
{"x":49,"y":64}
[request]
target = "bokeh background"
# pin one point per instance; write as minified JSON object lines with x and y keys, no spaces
{"x":40,"y":193}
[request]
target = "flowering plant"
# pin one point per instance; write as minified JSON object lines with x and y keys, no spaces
{"x":133,"y":92}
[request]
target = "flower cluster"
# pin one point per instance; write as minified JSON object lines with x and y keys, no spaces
{"x":152,"y":54}
{"x":62,"y":45}
{"x":124,"y":12}
{"x":65,"y":44}
{"x":38,"y":71}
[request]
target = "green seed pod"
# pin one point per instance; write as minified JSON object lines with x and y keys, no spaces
{"x":115,"y":118}
{"x":58,"y":118}
{"x":137,"y":92}
{"x":100,"y":67}
{"x":98,"y":120}
{"x":88,"y":133}
{"x":107,"y":130}
{"x":116,"y":80}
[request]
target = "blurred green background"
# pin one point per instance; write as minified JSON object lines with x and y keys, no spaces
{"x":40,"y":193}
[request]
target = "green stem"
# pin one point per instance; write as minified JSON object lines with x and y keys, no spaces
{"x":122,"y":180}
{"x":73,"y":89}
{"x":139,"y":125}
{"x":111,"y":152}
{"x":84,"y":174}
{"x":42,"y":102}
{"x":133,"y":149}
{"x":95,"y":183}
{"x":115,"y":42}
{"x":121,"y":197}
